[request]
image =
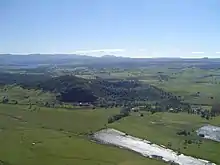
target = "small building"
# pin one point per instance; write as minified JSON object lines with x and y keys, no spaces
{"x":135,"y":109}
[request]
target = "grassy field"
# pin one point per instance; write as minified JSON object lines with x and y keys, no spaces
{"x":188,"y":82}
{"x":26,"y":96}
{"x":162,"y":128}
{"x":182,"y":80}
{"x":195,"y":85}
{"x":185,"y":82}
{"x":58,"y":136}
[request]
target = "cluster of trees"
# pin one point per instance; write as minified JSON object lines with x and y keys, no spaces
{"x":204,"y":113}
{"x":215,"y":111}
{"x":7,"y":100}
{"x":24,"y":80}
{"x":183,"y":133}
{"x":105,"y":93}
{"x":99,"y":92}
{"x":125,"y":111}
{"x":174,"y":107}
{"x":189,"y":139}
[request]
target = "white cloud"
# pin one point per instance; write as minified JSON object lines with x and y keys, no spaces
{"x":99,"y":50}
{"x":198,"y":52}
{"x":144,"y":52}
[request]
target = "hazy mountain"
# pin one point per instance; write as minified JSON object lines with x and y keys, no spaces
{"x":35,"y":60}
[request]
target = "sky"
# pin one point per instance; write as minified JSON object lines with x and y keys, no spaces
{"x":134,"y":28}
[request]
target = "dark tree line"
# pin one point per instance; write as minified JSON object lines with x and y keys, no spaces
{"x":124,"y":112}
{"x":215,"y":111}
{"x":99,"y":91}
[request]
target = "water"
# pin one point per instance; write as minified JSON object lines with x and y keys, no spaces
{"x":145,"y":148}
{"x":210,"y":132}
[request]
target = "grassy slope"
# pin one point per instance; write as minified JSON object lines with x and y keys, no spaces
{"x":59,"y":137}
{"x":161,"y":128}
{"x":22,"y":96}
{"x":184,"y":82}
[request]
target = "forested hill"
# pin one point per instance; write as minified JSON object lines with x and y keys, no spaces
{"x":74,"y":89}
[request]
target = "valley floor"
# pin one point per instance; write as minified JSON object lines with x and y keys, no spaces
{"x":57,"y":136}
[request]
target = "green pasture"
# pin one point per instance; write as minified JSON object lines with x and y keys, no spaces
{"x":162,"y":128}
{"x":26,"y":96}
{"x":58,"y":137}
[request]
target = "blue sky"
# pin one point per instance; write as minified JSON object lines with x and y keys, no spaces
{"x":137,"y":28}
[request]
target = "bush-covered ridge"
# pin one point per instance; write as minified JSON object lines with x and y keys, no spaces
{"x":75,"y":89}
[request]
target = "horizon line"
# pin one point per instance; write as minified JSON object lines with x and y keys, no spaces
{"x":180,"y":57}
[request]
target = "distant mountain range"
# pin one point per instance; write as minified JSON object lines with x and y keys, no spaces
{"x":109,"y":60}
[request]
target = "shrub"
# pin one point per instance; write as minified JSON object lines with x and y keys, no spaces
{"x":123,"y":113}
{"x":5,"y":100}
{"x":182,"y":132}
{"x":189,"y":141}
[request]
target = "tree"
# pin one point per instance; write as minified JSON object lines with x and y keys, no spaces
{"x":125,"y":111}
{"x":30,"y":106}
{"x":110,"y":120}
{"x":14,"y":101}
{"x":182,"y":132}
{"x":169,"y":145}
{"x":207,"y":117}
{"x":203,"y":115}
{"x":46,"y":104}
{"x":153,"y":110}
{"x":215,"y":110}
{"x":5,"y":100}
